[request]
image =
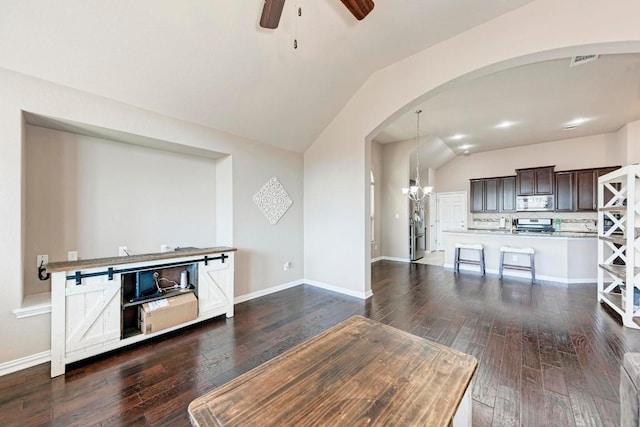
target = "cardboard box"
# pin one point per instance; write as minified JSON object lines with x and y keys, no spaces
{"x":162,"y":314}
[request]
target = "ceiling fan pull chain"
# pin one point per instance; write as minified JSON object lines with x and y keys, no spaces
{"x":295,"y":40}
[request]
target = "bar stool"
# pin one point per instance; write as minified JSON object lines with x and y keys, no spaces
{"x":526,"y":251}
{"x":457,"y":260}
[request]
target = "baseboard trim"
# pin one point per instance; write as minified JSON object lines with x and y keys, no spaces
{"x":527,"y":275}
{"x":264,"y":292}
{"x":24,"y":362}
{"x":390,"y":258}
{"x":380,"y":258}
{"x":328,"y":287}
{"x":45,"y":356}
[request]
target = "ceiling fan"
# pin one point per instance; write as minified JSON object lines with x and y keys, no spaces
{"x":272,"y":11}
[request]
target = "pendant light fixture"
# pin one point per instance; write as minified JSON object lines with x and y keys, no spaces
{"x":416,"y":192}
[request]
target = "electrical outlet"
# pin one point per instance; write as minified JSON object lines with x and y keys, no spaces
{"x":514,"y":257}
{"x":72,"y":256}
{"x":122,"y":251}
{"x":287,"y":265}
{"x":42,"y":260}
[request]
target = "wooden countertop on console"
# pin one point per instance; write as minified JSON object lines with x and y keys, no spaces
{"x":83,"y":264}
{"x":360,"y":372}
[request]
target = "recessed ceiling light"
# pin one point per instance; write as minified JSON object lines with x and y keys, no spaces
{"x":457,"y":137}
{"x":505,"y":124}
{"x":466,"y":151}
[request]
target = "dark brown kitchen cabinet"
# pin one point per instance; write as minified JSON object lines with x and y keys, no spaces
{"x":508,"y":194}
{"x":491,"y":188}
{"x":490,"y":195}
{"x":526,"y":182}
{"x":607,"y":193}
{"x":533,"y":181}
{"x":564,"y":191}
{"x":576,"y":190}
{"x":604,"y":171}
{"x":586,"y":184}
{"x":477,"y":195}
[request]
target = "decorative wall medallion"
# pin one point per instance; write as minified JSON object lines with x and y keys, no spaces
{"x":273,"y":200}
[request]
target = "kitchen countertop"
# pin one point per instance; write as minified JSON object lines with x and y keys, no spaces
{"x":54,"y":267}
{"x":534,"y":234}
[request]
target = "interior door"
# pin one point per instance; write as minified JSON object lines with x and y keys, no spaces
{"x":452,"y":214}
{"x":433,"y":224}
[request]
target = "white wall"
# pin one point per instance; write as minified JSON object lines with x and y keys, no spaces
{"x":262,"y":247}
{"x":335,"y":203}
{"x":397,"y":171}
{"x":92,"y":195}
{"x":376,"y":167}
{"x":631,"y":135}
{"x":577,"y":153}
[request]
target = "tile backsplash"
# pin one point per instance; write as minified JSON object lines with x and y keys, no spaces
{"x":569,"y":221}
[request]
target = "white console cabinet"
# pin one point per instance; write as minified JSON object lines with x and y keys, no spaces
{"x":94,"y":308}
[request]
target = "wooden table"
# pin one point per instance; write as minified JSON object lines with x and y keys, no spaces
{"x":360,"y":372}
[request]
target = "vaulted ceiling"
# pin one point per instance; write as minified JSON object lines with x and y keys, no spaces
{"x":209,"y":62}
{"x":540,"y":102}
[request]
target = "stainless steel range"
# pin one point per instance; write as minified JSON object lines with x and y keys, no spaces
{"x":534,"y":225}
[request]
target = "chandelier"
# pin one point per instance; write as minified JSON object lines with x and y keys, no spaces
{"x":416,"y":192}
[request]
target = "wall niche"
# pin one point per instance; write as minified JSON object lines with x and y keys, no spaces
{"x":91,"y":190}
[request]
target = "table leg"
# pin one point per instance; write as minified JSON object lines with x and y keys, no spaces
{"x":462,"y":417}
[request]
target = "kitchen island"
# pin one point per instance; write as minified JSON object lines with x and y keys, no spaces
{"x":561,"y":257}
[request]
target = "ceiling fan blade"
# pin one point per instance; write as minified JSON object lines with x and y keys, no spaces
{"x":271,"y":13}
{"x":359,"y":8}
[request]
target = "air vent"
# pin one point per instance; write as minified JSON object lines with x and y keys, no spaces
{"x":582,"y":59}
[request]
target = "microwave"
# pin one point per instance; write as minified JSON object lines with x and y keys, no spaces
{"x":534,"y":203}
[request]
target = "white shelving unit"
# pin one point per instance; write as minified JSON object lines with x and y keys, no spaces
{"x":619,"y":245}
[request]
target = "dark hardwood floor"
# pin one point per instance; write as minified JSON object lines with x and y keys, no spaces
{"x":548,"y":355}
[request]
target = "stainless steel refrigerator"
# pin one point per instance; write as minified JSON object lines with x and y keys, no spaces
{"x":417,"y":231}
